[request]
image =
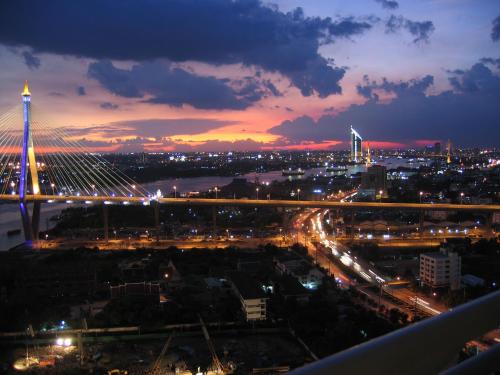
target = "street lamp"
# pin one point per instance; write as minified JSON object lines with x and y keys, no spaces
{"x":380,"y":194}
{"x":421,"y":193}
{"x":175,"y":191}
{"x":461,"y":197}
{"x":216,"y":191}
{"x":257,"y":193}
{"x":298,"y":194}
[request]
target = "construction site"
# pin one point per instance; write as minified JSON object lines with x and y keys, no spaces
{"x":192,"y":349}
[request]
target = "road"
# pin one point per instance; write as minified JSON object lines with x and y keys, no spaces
{"x":370,"y":274}
{"x":326,"y":259}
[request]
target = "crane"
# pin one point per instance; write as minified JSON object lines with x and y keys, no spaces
{"x":156,"y":368}
{"x":219,"y":369}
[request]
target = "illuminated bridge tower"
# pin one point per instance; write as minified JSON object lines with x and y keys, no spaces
{"x":448,"y":152}
{"x":28,"y":164}
{"x":368,"y":154}
{"x":356,"y":146}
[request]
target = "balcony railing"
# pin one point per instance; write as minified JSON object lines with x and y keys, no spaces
{"x":427,"y":347}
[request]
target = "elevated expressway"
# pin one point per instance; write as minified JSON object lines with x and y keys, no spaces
{"x":257,"y":203}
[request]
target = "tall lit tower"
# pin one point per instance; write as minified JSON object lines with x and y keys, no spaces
{"x":356,"y":146}
{"x":448,"y":152}
{"x":28,"y":160}
{"x":368,"y":154}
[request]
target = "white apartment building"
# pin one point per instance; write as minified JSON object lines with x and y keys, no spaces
{"x":252,"y":298}
{"x":442,"y":269}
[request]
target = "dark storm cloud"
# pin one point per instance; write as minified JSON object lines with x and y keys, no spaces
{"x":495,"y":31}
{"x":211,"y":31}
{"x":478,"y":79}
{"x":272,"y":88}
{"x":80,"y":91}
{"x":491,"y":61}
{"x":420,"y":30}
{"x":469,"y":115}
{"x":388,"y":4}
{"x":347,"y":27}
{"x":411,"y":87}
{"x":304,"y":128}
{"x":162,"y":83}
{"x":108,"y":105}
{"x":31,"y":61}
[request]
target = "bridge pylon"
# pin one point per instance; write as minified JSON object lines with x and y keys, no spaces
{"x":28,"y":167}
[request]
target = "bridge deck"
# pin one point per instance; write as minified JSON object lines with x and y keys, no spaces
{"x":261,"y":203}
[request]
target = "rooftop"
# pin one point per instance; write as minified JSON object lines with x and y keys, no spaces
{"x":247,"y":287}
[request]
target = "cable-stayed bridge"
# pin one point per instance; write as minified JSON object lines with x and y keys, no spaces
{"x":43,"y":163}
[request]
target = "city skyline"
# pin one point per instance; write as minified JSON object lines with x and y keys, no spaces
{"x":403,"y":74}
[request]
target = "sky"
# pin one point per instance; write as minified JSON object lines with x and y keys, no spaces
{"x":244,"y":75}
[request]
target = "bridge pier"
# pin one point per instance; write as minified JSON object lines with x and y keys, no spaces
{"x":26,"y":221}
{"x":35,"y":220}
{"x":421,"y":222}
{"x":488,"y":224}
{"x":105,"y":220}
{"x":214,"y":221}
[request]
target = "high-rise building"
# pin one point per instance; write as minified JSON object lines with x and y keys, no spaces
{"x":374,"y":181}
{"x":356,"y":146}
{"x":441,"y":269}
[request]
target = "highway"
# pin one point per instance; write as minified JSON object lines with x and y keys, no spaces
{"x":370,"y":274}
{"x":326,"y":259}
{"x":256,"y":203}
